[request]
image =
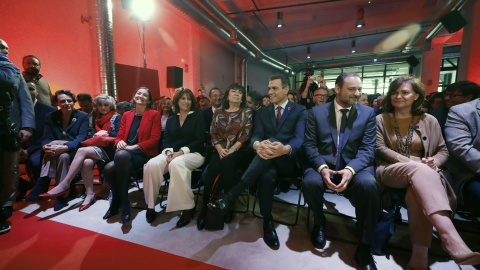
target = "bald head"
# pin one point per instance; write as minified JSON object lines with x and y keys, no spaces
{"x":3,"y":48}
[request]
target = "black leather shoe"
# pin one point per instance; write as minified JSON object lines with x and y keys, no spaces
{"x":185,"y":217}
{"x":318,"y":237}
{"x":270,"y":235}
{"x":4,"y":227}
{"x":112,"y":211}
{"x":150,"y":215}
{"x":125,"y":216}
{"x":364,"y":258}
{"x":201,"y":219}
{"x":223,"y":205}
{"x":228,"y":217}
{"x":41,"y":186}
{"x":60,"y":203}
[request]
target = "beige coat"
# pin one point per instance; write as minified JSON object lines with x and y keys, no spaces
{"x":429,"y":131}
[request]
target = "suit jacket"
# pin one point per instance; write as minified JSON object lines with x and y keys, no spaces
{"x":290,"y":130}
{"x":41,"y":110}
{"x":440,"y":114}
{"x":148,"y":132}
{"x":462,"y":132}
{"x":76,"y":129}
{"x":189,"y":137}
{"x":321,"y":138}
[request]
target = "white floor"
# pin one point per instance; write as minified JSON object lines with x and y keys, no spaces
{"x":238,"y":246}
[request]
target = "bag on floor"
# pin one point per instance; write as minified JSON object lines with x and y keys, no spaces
{"x":214,"y":221}
{"x":383,"y":231}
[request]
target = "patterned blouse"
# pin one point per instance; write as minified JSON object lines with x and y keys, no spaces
{"x":229,"y":127}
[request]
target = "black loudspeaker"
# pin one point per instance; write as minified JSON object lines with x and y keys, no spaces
{"x":413,"y":61}
{"x":174,"y":77}
{"x":453,"y":21}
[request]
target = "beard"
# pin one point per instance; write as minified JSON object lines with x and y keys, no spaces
{"x":32,"y":71}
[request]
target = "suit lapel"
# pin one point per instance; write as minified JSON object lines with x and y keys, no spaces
{"x":271,"y":116}
{"x":478,"y":107}
{"x":72,"y":122}
{"x":143,"y":122}
{"x":129,"y":124}
{"x":330,"y":115}
{"x":285,"y":114}
{"x":354,"y":113}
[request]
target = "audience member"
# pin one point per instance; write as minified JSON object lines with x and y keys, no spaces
{"x":65,"y":129}
{"x":411,"y":153}
{"x":435,"y":101}
{"x":254,"y":100}
{"x":216,"y":97}
{"x":363,"y":99}
{"x":277,"y":143}
{"x":203,"y":103}
{"x":183,"y":151}
{"x":351,"y":171}
{"x":307,"y":92}
{"x":22,"y":115}
{"x":266,"y":100}
{"x":31,"y":71}
{"x":463,"y":140}
{"x":455,"y":94}
{"x":136,"y":142}
{"x":30,"y":151}
{"x":107,"y":125}
{"x":292,"y":97}
{"x":85,"y":102}
{"x":123,"y":107}
{"x":230,"y":129}
{"x":320,"y":96}
{"x":157,"y":104}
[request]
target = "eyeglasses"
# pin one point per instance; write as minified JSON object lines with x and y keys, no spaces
{"x":318,"y":95}
{"x":452,"y":95}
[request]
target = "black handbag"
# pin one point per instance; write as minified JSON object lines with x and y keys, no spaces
{"x":10,"y":140}
{"x":384,"y":230}
{"x":214,"y":221}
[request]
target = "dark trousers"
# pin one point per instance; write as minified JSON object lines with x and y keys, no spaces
{"x":264,"y":173}
{"x":227,"y":167}
{"x":362,"y":191}
{"x":117,"y":174}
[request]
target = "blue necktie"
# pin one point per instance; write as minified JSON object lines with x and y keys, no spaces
{"x":343,"y":125}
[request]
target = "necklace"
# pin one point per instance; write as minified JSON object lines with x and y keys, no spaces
{"x":404,"y":149}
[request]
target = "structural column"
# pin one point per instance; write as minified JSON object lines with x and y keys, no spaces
{"x":469,"y":66}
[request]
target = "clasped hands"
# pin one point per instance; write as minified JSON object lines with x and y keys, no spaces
{"x":123,"y":145}
{"x":268,"y":150}
{"x":430,"y":162}
{"x":54,"y":149}
{"x":171,"y":156}
{"x":101,"y":133}
{"x":346,"y":177}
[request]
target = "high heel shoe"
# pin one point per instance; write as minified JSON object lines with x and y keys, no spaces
{"x":472,"y":258}
{"x":54,"y":196}
{"x":86,"y":206}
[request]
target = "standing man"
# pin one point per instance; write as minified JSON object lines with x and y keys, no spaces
{"x":23,"y":116}
{"x":86,"y":105}
{"x":31,"y":72}
{"x":340,"y":147}
{"x":277,"y":137}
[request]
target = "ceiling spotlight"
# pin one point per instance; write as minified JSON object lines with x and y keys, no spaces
{"x":309,"y":55}
{"x":375,"y":59}
{"x":142,"y":10}
{"x":354,"y":49}
{"x":279,"y":19}
{"x":360,"y":23}
{"x":233,"y":37}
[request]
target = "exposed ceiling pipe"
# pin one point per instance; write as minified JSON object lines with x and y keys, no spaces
{"x":106,"y":59}
{"x":250,"y":48}
{"x":244,"y":72}
{"x":433,"y":17}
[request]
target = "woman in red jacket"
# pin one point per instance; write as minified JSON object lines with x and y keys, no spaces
{"x":137,"y":141}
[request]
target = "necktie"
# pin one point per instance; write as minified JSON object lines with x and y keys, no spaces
{"x":343,"y":125}
{"x":279,"y":114}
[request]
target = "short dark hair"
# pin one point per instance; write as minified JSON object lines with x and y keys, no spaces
{"x":466,"y":87}
{"x":341,"y":78}
{"x":63,"y":92}
{"x":124,"y":105}
{"x":417,"y":86}
{"x":82,"y":97}
{"x":256,"y":97}
{"x":432,"y":98}
{"x":211,"y":90}
{"x":179,"y":94}
{"x":285,"y":80}
{"x":150,"y":98}
{"x":236,"y":86}
{"x":31,"y":56}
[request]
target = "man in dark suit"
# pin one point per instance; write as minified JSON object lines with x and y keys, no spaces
{"x":216,"y":99}
{"x":31,"y":150}
{"x":85,"y":102}
{"x":277,"y":137}
{"x":340,"y":147}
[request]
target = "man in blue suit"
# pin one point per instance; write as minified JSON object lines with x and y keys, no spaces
{"x":340,"y":148}
{"x":277,"y":137}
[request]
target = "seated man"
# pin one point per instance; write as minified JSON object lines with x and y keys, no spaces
{"x":277,"y":137}
{"x":31,"y":150}
{"x":320,"y":96}
{"x":85,"y":102}
{"x":254,"y":100}
{"x":340,"y":147}
{"x":462,"y":132}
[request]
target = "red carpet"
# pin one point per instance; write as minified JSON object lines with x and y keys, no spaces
{"x":46,"y":244}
